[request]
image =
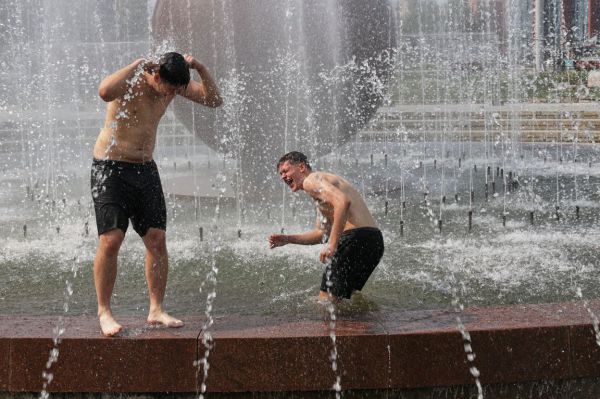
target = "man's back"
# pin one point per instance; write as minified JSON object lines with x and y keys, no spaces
{"x":358,"y":213}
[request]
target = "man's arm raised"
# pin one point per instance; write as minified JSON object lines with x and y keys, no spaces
{"x":205,"y":92}
{"x":116,"y":84}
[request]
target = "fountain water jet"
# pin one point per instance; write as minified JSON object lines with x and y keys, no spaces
{"x":323,"y":85}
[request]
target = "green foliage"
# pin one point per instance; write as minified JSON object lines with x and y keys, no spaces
{"x":551,"y":86}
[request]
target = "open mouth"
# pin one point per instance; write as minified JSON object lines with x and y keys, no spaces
{"x":288,"y":181}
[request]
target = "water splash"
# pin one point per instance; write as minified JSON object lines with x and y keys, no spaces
{"x":211,"y":279}
{"x":593,"y":317}
{"x":331,"y":311}
{"x":60,"y":327}
{"x":467,"y":345}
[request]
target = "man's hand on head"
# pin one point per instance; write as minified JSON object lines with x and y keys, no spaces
{"x":147,"y":65}
{"x":191,"y":61}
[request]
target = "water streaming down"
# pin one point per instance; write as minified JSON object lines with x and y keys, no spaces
{"x":333,"y":63}
{"x":458,"y":96}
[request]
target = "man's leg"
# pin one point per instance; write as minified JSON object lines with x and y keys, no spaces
{"x":333,"y":282}
{"x":157,"y":269}
{"x":105,"y":273}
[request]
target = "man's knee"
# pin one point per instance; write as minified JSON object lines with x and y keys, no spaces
{"x":110,"y":242}
{"x":156,"y":241}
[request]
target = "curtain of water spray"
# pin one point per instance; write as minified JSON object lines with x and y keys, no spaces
{"x":440,"y":68}
{"x":215,"y":62}
{"x":516,"y":93}
{"x":233,"y":89}
{"x":423,"y":126}
{"x":531,"y":185}
{"x":204,"y":335}
{"x":54,"y":352}
{"x":301,"y":98}
{"x":512,"y":99}
{"x":61,"y":325}
{"x":192,"y":141}
{"x":69,"y":75}
{"x":401,"y":129}
{"x":446,"y":126}
{"x":330,"y":306}
{"x":488,"y":97}
{"x":15,"y":36}
{"x":48,"y":32}
{"x":559,"y":159}
{"x":289,"y":65}
{"x":56,"y":57}
{"x":574,"y":163}
{"x":458,"y":149}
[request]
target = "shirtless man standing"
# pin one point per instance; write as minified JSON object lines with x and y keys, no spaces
{"x":354,"y":243}
{"x":125,"y":181}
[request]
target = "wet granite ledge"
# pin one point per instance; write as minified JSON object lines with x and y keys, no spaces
{"x":400,"y":350}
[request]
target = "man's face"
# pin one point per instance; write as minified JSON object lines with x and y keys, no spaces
{"x":166,"y":89}
{"x":292,"y":175}
{"x":169,"y":90}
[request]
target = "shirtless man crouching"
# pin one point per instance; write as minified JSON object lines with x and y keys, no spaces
{"x":125,"y":181}
{"x":354,"y":243}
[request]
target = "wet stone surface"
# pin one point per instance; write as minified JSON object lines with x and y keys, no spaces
{"x":409,"y":349}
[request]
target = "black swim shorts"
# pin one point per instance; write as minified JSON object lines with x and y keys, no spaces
{"x":358,"y":253}
{"x":125,"y":190}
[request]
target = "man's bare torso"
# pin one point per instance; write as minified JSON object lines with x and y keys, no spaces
{"x":358,"y":213}
{"x":129,"y":132}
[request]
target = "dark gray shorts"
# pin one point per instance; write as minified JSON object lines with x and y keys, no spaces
{"x":357,"y":254}
{"x":126,"y":190}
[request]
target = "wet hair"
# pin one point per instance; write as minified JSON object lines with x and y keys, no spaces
{"x":295,"y":158}
{"x":173,"y":69}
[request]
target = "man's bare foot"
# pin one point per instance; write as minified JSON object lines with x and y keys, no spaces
{"x":108,"y":324}
{"x":324,"y":296}
{"x":165,"y":319}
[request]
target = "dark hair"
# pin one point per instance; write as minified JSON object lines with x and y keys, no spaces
{"x":295,"y":158}
{"x":174,"y":70}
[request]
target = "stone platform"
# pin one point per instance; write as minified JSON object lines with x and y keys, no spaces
{"x":400,"y":350}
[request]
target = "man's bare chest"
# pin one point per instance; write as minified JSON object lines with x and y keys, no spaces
{"x":145,"y":109}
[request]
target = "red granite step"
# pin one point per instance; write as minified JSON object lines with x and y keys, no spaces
{"x":407,"y":349}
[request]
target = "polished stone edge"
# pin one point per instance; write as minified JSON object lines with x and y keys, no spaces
{"x":401,"y":350}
